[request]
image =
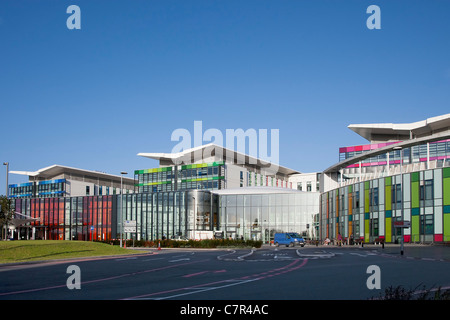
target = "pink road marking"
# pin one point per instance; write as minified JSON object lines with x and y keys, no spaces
{"x":288,"y":268}
{"x":101,"y":280}
{"x":220,"y":271}
{"x":195,"y":274}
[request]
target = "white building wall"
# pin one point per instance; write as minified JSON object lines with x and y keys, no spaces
{"x":75,"y":188}
{"x":233,"y":176}
{"x":305,"y":181}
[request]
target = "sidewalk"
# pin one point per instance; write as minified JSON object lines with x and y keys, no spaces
{"x":411,"y":251}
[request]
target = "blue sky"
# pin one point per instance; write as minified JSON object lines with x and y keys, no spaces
{"x":137,"y":70}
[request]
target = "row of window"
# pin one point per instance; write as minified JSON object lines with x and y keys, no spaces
{"x":256,"y":179}
{"x":308,"y":186}
{"x":410,"y":155}
{"x":426,"y":196}
{"x":41,"y":190}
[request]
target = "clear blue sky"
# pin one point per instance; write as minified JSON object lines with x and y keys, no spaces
{"x":137,"y":70}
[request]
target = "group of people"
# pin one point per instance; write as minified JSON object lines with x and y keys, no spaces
{"x":339,"y":241}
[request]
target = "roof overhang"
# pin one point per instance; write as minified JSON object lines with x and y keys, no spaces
{"x":401,"y":131}
{"x":55,"y":170}
{"x":404,"y":144}
{"x":200,"y":153}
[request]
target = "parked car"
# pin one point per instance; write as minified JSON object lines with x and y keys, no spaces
{"x":179,"y":238}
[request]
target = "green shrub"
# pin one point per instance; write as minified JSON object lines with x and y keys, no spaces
{"x":205,"y":243}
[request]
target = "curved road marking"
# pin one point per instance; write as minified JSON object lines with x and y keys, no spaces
{"x":222,"y":283}
{"x":102,"y":279}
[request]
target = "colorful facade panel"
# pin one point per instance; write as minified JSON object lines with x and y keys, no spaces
{"x":372,"y":210}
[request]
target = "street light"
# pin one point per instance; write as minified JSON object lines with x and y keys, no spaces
{"x":121,"y":205}
{"x":7,"y":194}
{"x":7,"y":174}
{"x":195,"y":215}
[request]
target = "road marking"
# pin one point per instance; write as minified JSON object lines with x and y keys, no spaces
{"x":216,"y":285}
{"x":132,"y":258}
{"x":220,"y":271}
{"x":184,"y":259}
{"x":358,"y":254}
{"x":194,"y":290}
{"x":100,"y":280}
{"x":203,"y":272}
{"x":153,"y":259}
{"x":195,"y":274}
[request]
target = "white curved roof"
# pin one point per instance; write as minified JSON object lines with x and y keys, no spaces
{"x":401,"y":131}
{"x":197,"y":154}
{"x":54,"y":170}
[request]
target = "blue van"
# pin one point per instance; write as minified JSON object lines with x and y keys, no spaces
{"x":300,"y":240}
{"x":284,"y":238}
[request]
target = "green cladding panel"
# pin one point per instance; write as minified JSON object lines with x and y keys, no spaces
{"x":415,"y":194}
{"x":446,"y":186}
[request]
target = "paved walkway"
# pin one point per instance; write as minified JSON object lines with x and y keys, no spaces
{"x":417,"y":251}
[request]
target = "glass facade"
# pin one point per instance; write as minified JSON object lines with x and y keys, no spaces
{"x":370,"y":210}
{"x":23,"y":190}
{"x":204,"y":176}
{"x":171,"y":214}
{"x":76,"y":218}
{"x":42,"y":189}
{"x":157,"y":215}
{"x":260,"y":216}
{"x":52,"y":188}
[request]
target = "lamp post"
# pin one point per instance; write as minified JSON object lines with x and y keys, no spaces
{"x":195,"y":215}
{"x":121,"y":206}
{"x":7,"y":174}
{"x":7,"y":194}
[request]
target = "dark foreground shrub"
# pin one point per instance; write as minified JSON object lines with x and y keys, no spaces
{"x":400,"y":293}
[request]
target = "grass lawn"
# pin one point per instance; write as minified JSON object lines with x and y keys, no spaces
{"x":37,"y":250}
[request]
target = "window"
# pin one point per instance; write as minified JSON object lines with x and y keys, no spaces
{"x":88,"y":191}
{"x":396,"y":196}
{"x":426,"y":225}
{"x":374,"y":227}
{"x":356,"y":199}
{"x":241,"y":179}
{"x":373,"y":198}
{"x":426,"y":193}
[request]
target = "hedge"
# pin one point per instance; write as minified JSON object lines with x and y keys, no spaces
{"x":206,"y":243}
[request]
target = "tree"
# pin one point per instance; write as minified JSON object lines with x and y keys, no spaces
{"x":6,"y":214}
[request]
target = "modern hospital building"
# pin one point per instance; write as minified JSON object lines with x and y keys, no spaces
{"x":400,"y":178}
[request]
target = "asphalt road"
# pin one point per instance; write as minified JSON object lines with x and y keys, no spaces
{"x":269,"y":273}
